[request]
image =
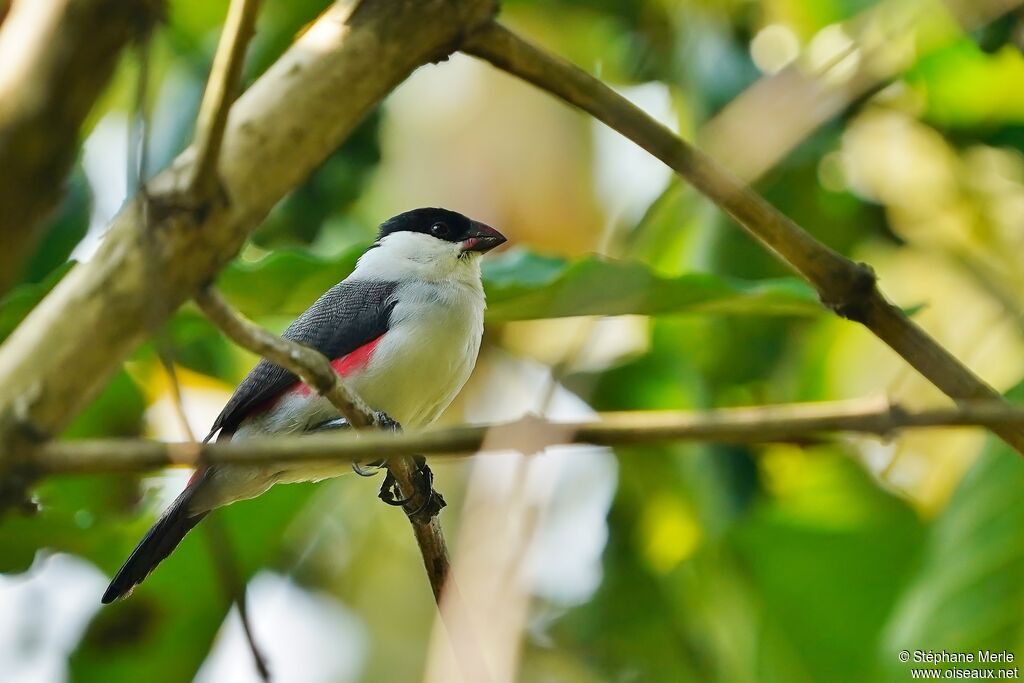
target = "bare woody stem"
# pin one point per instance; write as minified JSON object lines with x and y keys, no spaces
{"x":761,"y":424}
{"x":847,"y":288}
{"x":201,"y":189}
{"x":309,"y":365}
{"x":279,"y":130}
{"x":57,"y":58}
{"x":221,"y":90}
{"x":315,"y":370}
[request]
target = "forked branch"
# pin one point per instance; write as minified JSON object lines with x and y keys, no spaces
{"x":847,"y":288}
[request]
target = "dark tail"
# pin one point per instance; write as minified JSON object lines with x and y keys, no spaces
{"x":159,"y":541}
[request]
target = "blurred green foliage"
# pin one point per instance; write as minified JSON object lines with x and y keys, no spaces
{"x":788,"y":563}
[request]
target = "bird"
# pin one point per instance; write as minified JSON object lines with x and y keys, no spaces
{"x":403,"y":331}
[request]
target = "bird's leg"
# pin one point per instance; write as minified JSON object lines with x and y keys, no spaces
{"x":382,"y":420}
{"x":433,"y":501}
{"x":371,"y":468}
{"x":423,"y":485}
{"x":331,"y":425}
{"x":390,"y":493}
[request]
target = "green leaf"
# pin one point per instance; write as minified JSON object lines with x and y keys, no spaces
{"x":520,"y":286}
{"x":967,"y":594}
{"x":526,"y":286}
{"x":66,"y":229}
{"x":319,"y":206}
{"x":71,"y":507}
{"x":284,"y":282}
{"x":164,"y":631}
{"x":828,"y":555}
{"x":965,"y":87}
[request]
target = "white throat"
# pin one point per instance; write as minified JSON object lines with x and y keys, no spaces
{"x":404,"y":256}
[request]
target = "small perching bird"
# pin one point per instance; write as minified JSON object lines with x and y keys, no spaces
{"x":403,"y":331}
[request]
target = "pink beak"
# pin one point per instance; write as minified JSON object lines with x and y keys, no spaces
{"x":482,"y":238}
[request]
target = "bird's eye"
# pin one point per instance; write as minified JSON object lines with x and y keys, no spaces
{"x":439,"y":230}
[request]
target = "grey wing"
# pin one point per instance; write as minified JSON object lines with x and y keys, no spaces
{"x":347,"y":316}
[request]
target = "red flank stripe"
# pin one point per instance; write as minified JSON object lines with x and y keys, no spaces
{"x":357,"y":360}
{"x":346,"y":365}
{"x":195,"y":475}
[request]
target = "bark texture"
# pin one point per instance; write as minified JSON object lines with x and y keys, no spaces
{"x":155,"y":257}
{"x":57,"y":56}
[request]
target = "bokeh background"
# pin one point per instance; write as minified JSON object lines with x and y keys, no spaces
{"x":892,"y":130}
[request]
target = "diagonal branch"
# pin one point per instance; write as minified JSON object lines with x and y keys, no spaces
{"x":202,"y":188}
{"x":221,"y":90}
{"x":800,"y":423}
{"x":315,"y":370}
{"x":310,"y":366}
{"x":57,"y":57}
{"x":278,"y":132}
{"x":847,"y":288}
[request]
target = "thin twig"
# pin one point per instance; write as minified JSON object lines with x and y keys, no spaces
{"x":203,"y":186}
{"x":280,"y":129}
{"x":166,"y":357}
{"x":763,"y":424}
{"x":221,"y":91}
{"x":138,"y":128}
{"x":847,"y":288}
{"x":316,"y":371}
{"x":234,"y":585}
{"x":309,"y":365}
{"x":135,"y":180}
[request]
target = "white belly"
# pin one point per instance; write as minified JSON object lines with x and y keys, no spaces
{"x":421,"y":364}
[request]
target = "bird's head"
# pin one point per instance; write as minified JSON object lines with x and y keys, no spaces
{"x":435,"y":242}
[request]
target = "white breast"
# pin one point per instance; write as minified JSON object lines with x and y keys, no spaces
{"x":427,"y":355}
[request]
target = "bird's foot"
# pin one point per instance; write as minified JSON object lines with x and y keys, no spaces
{"x":370,"y":469}
{"x":329,"y":425}
{"x":390,"y":492}
{"x":363,"y":470}
{"x":382,"y":420}
{"x":423,"y":488}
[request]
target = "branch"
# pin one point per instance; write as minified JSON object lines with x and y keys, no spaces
{"x":221,"y":90}
{"x":315,"y":370}
{"x":282,"y":128}
{"x":57,"y":57}
{"x":309,"y":365}
{"x":234,"y":585}
{"x":763,"y":424}
{"x":201,"y":189}
{"x":847,"y":288}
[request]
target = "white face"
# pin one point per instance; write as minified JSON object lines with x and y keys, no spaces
{"x":404,"y":255}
